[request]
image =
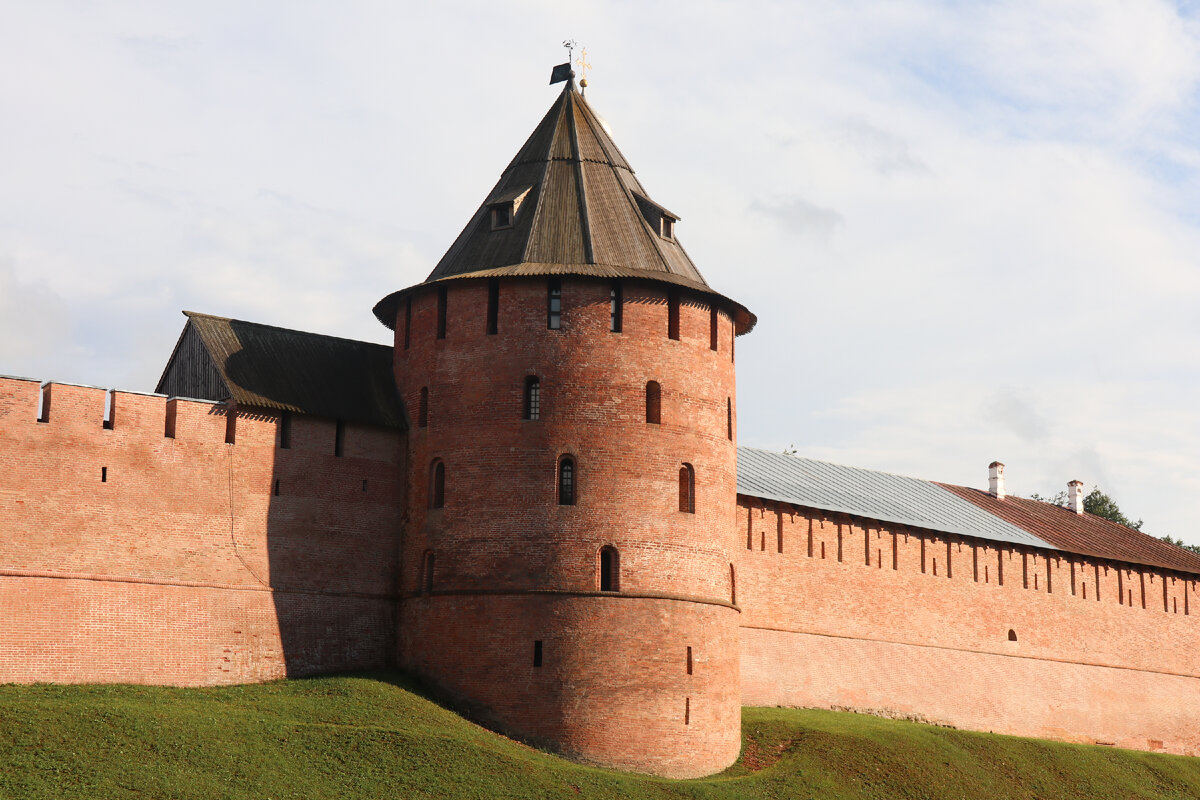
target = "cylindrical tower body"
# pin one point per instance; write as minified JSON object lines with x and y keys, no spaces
{"x":591,"y":612}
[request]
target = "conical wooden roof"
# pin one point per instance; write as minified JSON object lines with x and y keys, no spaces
{"x":577,"y":209}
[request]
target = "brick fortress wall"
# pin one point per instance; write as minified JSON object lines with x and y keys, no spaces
{"x":840,"y":611}
{"x":511,"y":567}
{"x":131,"y":555}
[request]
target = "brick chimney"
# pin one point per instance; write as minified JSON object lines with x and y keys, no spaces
{"x":996,"y":480}
{"x":1075,"y":496}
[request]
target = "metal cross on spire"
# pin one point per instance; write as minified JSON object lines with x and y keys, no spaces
{"x":584,"y":66}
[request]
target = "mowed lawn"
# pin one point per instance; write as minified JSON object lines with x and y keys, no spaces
{"x":374,"y":736}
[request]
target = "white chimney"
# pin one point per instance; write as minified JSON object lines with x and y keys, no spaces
{"x":1075,"y":496}
{"x":996,"y":480}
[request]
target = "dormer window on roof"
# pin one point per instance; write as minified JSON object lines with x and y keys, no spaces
{"x":660,"y":220}
{"x":504,"y":208}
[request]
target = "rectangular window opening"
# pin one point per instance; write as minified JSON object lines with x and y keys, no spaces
{"x":339,"y":438}
{"x":44,"y":403}
{"x":230,"y":423}
{"x":407,"y":321}
{"x":110,"y":400}
{"x":713,"y":328}
{"x":104,"y":474}
{"x":275,"y":488}
{"x":285,"y":430}
{"x":687,"y":711}
{"x":537,"y":652}
{"x":554,"y":304}
{"x":169,"y":421}
{"x":533,"y":398}
{"x":673,"y":315}
{"x":441,"y":312}
{"x":779,"y":532}
{"x":493,"y":308}
{"x":616,"y":310}
{"x":364,"y":484}
{"x":689,"y":661}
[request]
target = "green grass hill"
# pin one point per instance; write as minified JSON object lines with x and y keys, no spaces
{"x":376,"y":736}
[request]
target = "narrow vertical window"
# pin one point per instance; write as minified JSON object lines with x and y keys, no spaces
{"x":732,"y":585}
{"x":169,"y":419}
{"x":713,"y":328}
{"x":615,"y":307}
{"x":230,"y":423}
{"x":427,"y":572}
{"x":537,"y":652}
{"x":339,"y":438}
{"x":423,"y":408}
{"x":729,"y":418}
{"x":779,"y":532}
{"x":653,"y":403}
{"x":285,"y":430}
{"x":110,"y":402}
{"x":493,"y":309}
{"x":687,"y":489}
{"x":441,"y":311}
{"x":533,"y":397}
{"x":610,"y":569}
{"x":407,"y":321}
{"x":275,"y":488}
{"x":104,"y":474}
{"x":554,"y":304}
{"x":687,"y":711}
{"x":566,"y":481}
{"x":437,"y":484}
{"x":673,"y":315}
{"x":689,"y":661}
{"x":44,"y":403}
{"x":1012,"y":635}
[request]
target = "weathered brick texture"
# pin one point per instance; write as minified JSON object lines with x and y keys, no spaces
{"x":128,"y":555}
{"x":919,"y":622}
{"x":503,"y":532}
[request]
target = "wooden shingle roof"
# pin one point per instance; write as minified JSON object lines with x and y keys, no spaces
{"x":581,"y":211}
{"x":262,"y":366}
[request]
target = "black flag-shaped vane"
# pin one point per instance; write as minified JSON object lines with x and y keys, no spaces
{"x":561,"y":73}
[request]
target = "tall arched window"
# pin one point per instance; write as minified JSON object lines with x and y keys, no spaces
{"x":610,"y":569}
{"x":653,"y":402}
{"x":687,"y":489}
{"x":566,"y":481}
{"x":427,"y":572}
{"x":437,"y":484}
{"x":423,"y":408}
{"x":533,"y":397}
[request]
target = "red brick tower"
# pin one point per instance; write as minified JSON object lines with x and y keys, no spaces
{"x":569,"y":377}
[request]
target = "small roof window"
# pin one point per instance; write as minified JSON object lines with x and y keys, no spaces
{"x":505,"y":207}
{"x":660,"y":219}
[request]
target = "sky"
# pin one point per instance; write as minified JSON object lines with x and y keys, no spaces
{"x":970,"y":231}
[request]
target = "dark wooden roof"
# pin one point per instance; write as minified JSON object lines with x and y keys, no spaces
{"x":582,"y":212}
{"x":1085,"y":534}
{"x":262,"y":366}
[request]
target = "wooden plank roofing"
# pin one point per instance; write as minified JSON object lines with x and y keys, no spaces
{"x":263,"y":366}
{"x":582,"y":216}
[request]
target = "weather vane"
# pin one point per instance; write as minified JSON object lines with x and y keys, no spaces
{"x":564,"y":72}
{"x":570,"y":44}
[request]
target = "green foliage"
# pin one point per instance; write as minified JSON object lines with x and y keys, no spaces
{"x":377,"y":737}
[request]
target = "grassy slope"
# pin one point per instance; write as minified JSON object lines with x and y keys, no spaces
{"x":372,"y":737}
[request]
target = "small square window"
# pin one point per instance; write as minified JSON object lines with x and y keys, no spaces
{"x":502,"y":216}
{"x":668,"y":227}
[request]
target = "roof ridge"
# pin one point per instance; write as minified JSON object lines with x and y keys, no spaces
{"x":585,"y":222}
{"x":194,"y":314}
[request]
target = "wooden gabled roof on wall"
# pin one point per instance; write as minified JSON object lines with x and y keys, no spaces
{"x":262,"y":366}
{"x":582,"y":212}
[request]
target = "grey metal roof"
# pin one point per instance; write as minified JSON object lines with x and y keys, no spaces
{"x":868,"y":493}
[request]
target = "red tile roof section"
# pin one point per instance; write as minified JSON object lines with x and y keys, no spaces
{"x":1085,"y":534}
